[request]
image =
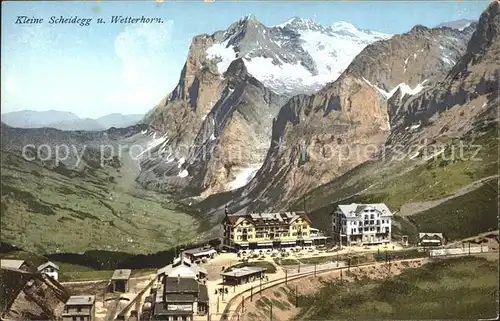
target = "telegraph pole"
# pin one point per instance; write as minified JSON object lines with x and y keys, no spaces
{"x":469,"y":248}
{"x":296,"y":297}
{"x":286,"y":276}
{"x":271,"y":312}
{"x":243,"y":303}
{"x":298,"y":270}
{"x":341,"y":280}
{"x":222,"y":291}
{"x":251,"y":294}
{"x":260,"y":286}
{"x":217,"y":304}
{"x":314,"y":269}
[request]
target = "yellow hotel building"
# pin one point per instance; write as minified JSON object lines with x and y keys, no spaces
{"x":270,"y":231}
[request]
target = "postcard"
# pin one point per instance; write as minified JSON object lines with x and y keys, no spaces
{"x":249,"y":160}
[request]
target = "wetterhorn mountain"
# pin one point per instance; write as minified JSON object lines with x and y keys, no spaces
{"x":218,"y":119}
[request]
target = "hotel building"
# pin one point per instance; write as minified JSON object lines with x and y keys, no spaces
{"x":362,"y":224}
{"x":270,"y":231}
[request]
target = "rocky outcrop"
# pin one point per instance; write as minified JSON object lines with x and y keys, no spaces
{"x":234,"y":134}
{"x":31,"y":296}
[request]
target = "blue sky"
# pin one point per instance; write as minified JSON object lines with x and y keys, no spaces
{"x":101,"y":69}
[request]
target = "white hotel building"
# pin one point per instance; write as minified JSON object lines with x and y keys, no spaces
{"x":362,"y":224}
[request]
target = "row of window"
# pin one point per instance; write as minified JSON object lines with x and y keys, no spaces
{"x":260,"y":235}
{"x":367,"y":229}
{"x":371,"y":222}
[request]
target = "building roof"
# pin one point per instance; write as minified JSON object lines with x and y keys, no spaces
{"x":178,"y":297}
{"x":354,"y":209}
{"x":200,"y":251}
{"x":121,"y":275}
{"x":281,"y":218}
{"x":47,"y":264}
{"x":176,"y":285}
{"x":244,"y":271}
{"x":181,"y":265}
{"x":430,"y":235}
{"x":81,"y":300}
{"x":11,"y":264}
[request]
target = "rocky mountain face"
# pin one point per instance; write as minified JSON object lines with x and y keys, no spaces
{"x":441,"y":157}
{"x":234,"y":134}
{"x":216,"y":124}
{"x":467,"y":92}
{"x":319,"y":137}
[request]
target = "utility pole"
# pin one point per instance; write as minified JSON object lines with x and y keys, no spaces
{"x":296,"y":297}
{"x":260,"y":286}
{"x":222,"y":291}
{"x":243,"y":304}
{"x":469,"y":248}
{"x":314,"y":269}
{"x":298,"y":269}
{"x":349,"y":264}
{"x":337,"y":258}
{"x":286,"y":276}
{"x":251,"y":294}
{"x":217,"y":304}
{"x":271,"y":312}
{"x":341,"y":280}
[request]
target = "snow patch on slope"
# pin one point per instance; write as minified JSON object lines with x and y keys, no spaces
{"x":153,"y":143}
{"x":405,"y":89}
{"x":183,"y":173}
{"x":243,"y":176}
{"x":222,"y":52}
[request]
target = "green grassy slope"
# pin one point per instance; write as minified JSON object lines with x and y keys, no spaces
{"x":58,"y":210}
{"x":460,"y":288}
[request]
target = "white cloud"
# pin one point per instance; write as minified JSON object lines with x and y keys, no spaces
{"x":139,"y":48}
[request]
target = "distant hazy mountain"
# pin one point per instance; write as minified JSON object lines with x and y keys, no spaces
{"x":457,"y":24}
{"x":36,"y":119}
{"x":87,"y":124}
{"x":119,"y":120}
{"x":67,"y":120}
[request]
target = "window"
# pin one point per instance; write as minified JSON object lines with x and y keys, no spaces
{"x":79,"y":309}
{"x":82,"y":318}
{"x":74,"y":318}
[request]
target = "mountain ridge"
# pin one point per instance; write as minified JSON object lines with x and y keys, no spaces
{"x":67,"y":120}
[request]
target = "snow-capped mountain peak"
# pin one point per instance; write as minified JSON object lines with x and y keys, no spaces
{"x":300,"y":23}
{"x":297,"y":56}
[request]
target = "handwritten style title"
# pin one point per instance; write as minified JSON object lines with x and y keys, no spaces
{"x":85,"y":22}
